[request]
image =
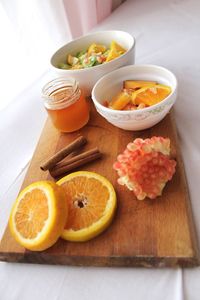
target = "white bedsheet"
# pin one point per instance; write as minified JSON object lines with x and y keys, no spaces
{"x":168,"y":34}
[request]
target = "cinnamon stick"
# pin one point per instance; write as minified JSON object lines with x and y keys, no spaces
{"x":75,"y":162}
{"x":60,"y":155}
{"x":76,"y":158}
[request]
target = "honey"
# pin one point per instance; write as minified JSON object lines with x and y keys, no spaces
{"x":66,"y":104}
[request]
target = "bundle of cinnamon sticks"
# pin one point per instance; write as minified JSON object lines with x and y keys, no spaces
{"x":58,"y":168}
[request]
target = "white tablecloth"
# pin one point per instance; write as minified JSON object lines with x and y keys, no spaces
{"x":168,"y":34}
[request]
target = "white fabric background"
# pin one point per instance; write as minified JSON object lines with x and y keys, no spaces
{"x":30,"y":32}
{"x":167,"y":33}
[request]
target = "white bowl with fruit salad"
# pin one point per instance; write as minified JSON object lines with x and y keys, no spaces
{"x":90,"y":57}
{"x":135,"y":97}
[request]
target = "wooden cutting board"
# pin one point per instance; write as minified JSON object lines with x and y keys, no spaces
{"x":150,"y":233}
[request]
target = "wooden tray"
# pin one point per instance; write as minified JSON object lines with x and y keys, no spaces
{"x":146,"y":233}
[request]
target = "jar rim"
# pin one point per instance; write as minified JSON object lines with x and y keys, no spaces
{"x":50,"y":88}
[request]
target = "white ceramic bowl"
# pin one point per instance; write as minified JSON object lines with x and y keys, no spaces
{"x":110,"y":84}
{"x":88,"y":77}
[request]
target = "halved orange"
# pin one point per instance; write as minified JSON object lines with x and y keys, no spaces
{"x":151,"y":95}
{"x":92,"y":203}
{"x":38,"y":215}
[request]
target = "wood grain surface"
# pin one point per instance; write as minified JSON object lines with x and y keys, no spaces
{"x":147,"y":233}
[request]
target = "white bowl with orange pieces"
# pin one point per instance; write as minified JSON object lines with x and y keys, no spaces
{"x":68,"y":60}
{"x":135,"y":97}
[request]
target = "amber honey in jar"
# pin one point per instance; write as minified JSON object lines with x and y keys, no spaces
{"x":66,"y":104}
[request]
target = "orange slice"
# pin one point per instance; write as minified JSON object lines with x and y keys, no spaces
{"x":151,"y":95}
{"x":115,"y":51}
{"x":112,"y":55}
{"x":120,"y":100}
{"x":135,"y":84}
{"x":92,"y":202}
{"x":38,"y":215}
{"x":115,"y":46}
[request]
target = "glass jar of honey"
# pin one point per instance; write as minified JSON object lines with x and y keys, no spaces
{"x":66,"y":104}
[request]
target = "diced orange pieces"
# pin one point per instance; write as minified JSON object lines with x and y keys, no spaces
{"x":120,"y":101}
{"x":138,"y":94}
{"x":112,"y":55}
{"x":151,"y":95}
{"x":96,"y":48}
{"x":115,"y":51}
{"x":115,"y":46}
{"x":135,"y":84}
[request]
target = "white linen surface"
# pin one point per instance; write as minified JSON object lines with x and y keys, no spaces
{"x":167,"y":33}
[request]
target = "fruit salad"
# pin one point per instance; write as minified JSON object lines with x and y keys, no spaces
{"x":137,"y":94}
{"x":95,"y":55}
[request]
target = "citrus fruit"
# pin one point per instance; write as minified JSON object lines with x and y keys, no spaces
{"x":115,"y":51}
{"x":115,"y":46}
{"x":135,"y":84}
{"x":38,"y":215}
{"x":112,"y":55}
{"x":92,"y":202}
{"x":120,"y":100}
{"x":145,"y":167}
{"x":96,"y":48}
{"x":151,"y":95}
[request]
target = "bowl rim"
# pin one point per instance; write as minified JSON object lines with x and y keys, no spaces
{"x":146,"y":109}
{"x":133,"y":42}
